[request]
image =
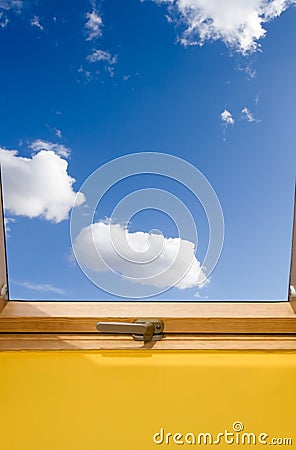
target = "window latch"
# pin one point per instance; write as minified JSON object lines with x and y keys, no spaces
{"x":141,"y":329}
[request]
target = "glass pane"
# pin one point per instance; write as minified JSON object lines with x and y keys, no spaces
{"x":173,"y":124}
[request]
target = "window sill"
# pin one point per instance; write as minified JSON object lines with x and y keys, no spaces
{"x":187,"y":326}
{"x":88,"y":341}
{"x":72,"y":325}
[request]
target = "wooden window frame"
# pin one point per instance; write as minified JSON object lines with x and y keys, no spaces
{"x":199,"y":325}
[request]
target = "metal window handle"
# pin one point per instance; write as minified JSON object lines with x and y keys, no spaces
{"x":141,"y":330}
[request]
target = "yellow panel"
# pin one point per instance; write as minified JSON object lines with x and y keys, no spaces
{"x":105,"y":400}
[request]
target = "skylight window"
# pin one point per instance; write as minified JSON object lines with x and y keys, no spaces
{"x":147,"y":150}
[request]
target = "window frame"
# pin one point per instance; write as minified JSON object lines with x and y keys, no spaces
{"x":187,"y":325}
{"x":292,"y":278}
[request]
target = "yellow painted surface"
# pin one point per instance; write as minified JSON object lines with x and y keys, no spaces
{"x":105,"y":400}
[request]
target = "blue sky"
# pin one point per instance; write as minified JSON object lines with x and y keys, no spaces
{"x":91,"y":82}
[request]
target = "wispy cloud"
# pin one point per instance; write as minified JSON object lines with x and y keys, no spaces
{"x":257,"y":99}
{"x":35,"y":22}
{"x":39,"y":287}
{"x":93,"y":29}
{"x":7,"y":221}
{"x":59,"y":149}
{"x":58,"y":133}
{"x":248,"y":69}
{"x":198,"y":295}
{"x":11,"y":4}
{"x":93,"y":25}
{"x":251,"y":72}
{"x":86,"y":75}
{"x":247,"y":115}
{"x":102,"y":55}
{"x":238,"y":23}
{"x":4,"y":21}
{"x":227,"y":119}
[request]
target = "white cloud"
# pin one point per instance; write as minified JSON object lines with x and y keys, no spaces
{"x":41,"y":287}
{"x":93,"y":25}
{"x":111,"y":71}
{"x":85,"y":74}
{"x":7,"y":221}
{"x":257,"y":99}
{"x":3,"y":20}
{"x":248,"y":69}
{"x":247,"y":115}
{"x":197,"y":295}
{"x":102,"y":55}
{"x":39,"y":186}
{"x":11,"y":4}
{"x":58,"y":133}
{"x":59,"y":149}
{"x":238,"y":23}
{"x":35,"y":22}
{"x":227,"y":117}
{"x":148,"y":259}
